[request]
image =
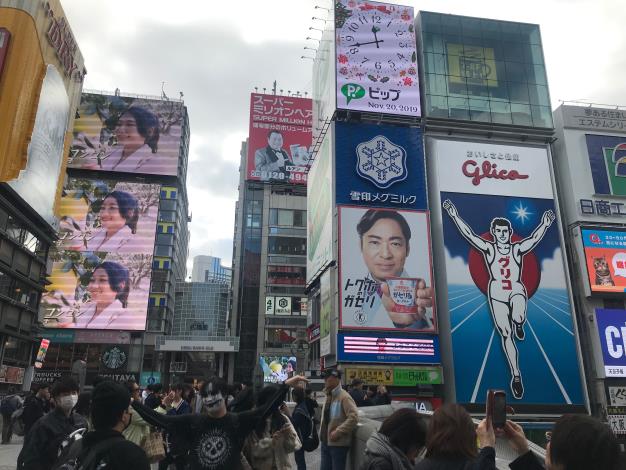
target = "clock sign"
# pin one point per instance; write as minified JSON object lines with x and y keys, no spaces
{"x":376,"y":58}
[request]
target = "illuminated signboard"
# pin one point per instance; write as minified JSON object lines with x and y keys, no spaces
{"x":605,"y":258}
{"x":414,"y":349}
{"x":612,"y":333}
{"x":277,"y":369}
{"x":127,"y":135}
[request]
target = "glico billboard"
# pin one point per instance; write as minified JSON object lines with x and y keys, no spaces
{"x":102,"y":264}
{"x":510,"y":315}
{"x":280,"y":138}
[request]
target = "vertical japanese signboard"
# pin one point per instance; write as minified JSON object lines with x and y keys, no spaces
{"x":376,"y":58}
{"x":509,"y":308}
{"x":280,"y":139}
{"x":326,"y":308}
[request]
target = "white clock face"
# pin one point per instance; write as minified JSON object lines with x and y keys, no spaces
{"x":376,"y":58}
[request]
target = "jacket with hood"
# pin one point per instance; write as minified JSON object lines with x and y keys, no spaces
{"x":380,"y":454}
{"x":266,"y":452}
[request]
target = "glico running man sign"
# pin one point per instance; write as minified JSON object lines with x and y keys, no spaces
{"x":510,"y":315}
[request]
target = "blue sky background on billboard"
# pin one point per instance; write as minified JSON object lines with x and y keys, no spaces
{"x":216,"y":55}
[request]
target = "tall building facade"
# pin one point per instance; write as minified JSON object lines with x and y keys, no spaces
{"x":269,"y":253}
{"x":209,"y":268}
{"x":41,"y":77}
{"x":123,"y":239}
{"x":436,"y":262}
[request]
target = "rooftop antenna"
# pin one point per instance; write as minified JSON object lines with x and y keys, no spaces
{"x":307,"y":57}
{"x":163,"y":95}
{"x":311,"y":28}
{"x":274,"y":88}
{"x":181,"y":95}
{"x":309,"y":38}
{"x":318,"y":19}
{"x":317,"y":7}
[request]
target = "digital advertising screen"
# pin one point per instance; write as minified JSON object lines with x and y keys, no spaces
{"x":127,"y":135}
{"x":385,"y":279}
{"x":414,"y":349}
{"x":109,"y":216}
{"x":376,"y":58}
{"x":605,"y":258}
{"x":280,"y":139}
{"x":277,"y":369}
{"x":508,"y":301}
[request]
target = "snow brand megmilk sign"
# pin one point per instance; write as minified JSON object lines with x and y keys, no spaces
{"x":510,"y":315}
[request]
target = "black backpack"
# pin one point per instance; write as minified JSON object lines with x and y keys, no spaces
{"x":76,"y":457}
{"x":311,"y":441}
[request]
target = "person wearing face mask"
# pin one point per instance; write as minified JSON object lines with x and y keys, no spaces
{"x":216,"y":437}
{"x":105,"y":447}
{"x":42,"y":443}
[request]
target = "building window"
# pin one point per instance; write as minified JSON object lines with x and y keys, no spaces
{"x":290,"y":275}
{"x":287,"y":246}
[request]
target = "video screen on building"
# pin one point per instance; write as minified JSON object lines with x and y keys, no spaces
{"x":280,"y":140}
{"x":127,"y":135}
{"x":277,"y":369}
{"x":108,"y":215}
{"x":414,"y":349}
{"x":102,"y":264}
{"x":605,"y":258}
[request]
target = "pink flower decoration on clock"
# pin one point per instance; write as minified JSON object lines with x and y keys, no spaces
{"x":407,"y":81}
{"x":342,"y":59}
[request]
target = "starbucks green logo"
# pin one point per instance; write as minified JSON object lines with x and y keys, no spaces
{"x":352,"y":91}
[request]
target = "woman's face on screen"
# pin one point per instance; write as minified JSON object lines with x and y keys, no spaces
{"x":100,"y":289}
{"x":127,"y":132}
{"x":110,"y":216}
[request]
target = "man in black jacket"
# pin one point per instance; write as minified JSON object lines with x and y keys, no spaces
{"x":36,"y":405}
{"x":153,"y":400}
{"x":106,"y":447}
{"x":42,"y":443}
{"x":216,"y":437}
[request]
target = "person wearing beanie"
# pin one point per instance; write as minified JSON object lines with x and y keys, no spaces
{"x":105,"y":446}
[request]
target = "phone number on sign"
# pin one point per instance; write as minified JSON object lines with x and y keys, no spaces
{"x":279,"y":175}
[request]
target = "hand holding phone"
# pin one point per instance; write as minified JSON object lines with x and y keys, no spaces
{"x":496,"y":408}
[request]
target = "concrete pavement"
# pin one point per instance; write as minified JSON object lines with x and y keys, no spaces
{"x":9,"y":453}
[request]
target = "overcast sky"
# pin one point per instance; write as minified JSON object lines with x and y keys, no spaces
{"x":217,"y":52}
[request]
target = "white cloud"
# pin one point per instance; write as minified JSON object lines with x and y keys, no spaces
{"x":457,"y":270}
{"x":552,"y":273}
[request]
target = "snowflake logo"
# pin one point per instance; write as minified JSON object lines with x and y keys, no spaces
{"x":381,"y":161}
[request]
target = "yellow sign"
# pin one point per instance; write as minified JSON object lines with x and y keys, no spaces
{"x":473,"y":65}
{"x":371,"y":375}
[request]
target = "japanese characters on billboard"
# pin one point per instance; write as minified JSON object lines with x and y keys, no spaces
{"x":368,"y":347}
{"x":37,"y":184}
{"x":280,"y":140}
{"x":103,"y":261}
{"x":380,"y":165}
{"x":385,"y":270}
{"x":612,"y":333}
{"x":509,"y":308}
{"x":127,"y":135}
{"x":376,"y":58}
{"x":319,"y":210}
{"x":277,"y":369}
{"x":607,"y":158}
{"x":605,"y":258}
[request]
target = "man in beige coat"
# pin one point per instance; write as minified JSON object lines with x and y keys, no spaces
{"x":339,"y":419}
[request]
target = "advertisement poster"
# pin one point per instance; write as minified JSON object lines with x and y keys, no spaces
{"x":380,"y":166}
{"x":280,"y":138}
{"x":509,"y":308}
{"x":127,"y":134}
{"x":612,"y":332}
{"x":382,"y":252}
{"x":37,"y":183}
{"x":605,"y":256}
{"x":376,"y":58}
{"x":319,"y":210}
{"x":367,"y":347}
{"x":607,"y":158}
{"x":326,"y":309}
{"x":277,"y":369}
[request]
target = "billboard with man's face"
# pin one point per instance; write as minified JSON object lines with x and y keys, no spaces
{"x":102,"y":263}
{"x":280,"y":138}
{"x":510,"y":314}
{"x":127,"y":135}
{"x":385,"y":270}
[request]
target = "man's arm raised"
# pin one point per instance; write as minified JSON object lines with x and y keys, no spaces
{"x":528,"y":244}
{"x":465,"y":229}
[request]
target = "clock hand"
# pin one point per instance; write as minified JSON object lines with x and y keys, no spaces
{"x":371,"y":42}
{"x":375,"y":30}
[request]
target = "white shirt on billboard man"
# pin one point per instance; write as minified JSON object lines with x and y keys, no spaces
{"x":272,"y":158}
{"x":384,"y":238}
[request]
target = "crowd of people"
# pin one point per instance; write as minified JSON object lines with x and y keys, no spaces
{"x":214,"y":426}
